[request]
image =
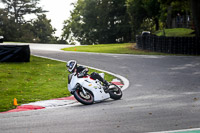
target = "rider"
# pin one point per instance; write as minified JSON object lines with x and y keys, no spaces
{"x":82,"y":71}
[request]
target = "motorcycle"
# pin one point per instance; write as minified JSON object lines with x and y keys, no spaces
{"x":88,"y":91}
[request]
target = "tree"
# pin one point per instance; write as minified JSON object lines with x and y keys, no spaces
{"x":73,"y":26}
{"x":185,"y":6}
{"x":25,"y":33}
{"x":195,"y":7}
{"x":15,"y":28}
{"x":144,"y":14}
{"x":152,"y":8}
{"x":171,"y":8}
{"x":43,"y":30}
{"x":137,"y":14}
{"x":18,"y":8}
{"x":7,"y":27}
{"x":98,"y":21}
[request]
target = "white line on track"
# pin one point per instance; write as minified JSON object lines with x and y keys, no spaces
{"x":177,"y":131}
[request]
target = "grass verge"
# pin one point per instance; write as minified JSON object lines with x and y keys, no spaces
{"x":176,"y":32}
{"x":124,"y":48}
{"x":39,"y":79}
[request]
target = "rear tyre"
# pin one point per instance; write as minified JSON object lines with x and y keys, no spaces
{"x":82,"y":98}
{"x":115,"y":92}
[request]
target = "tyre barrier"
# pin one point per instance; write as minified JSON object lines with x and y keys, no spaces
{"x":14,"y":53}
{"x":171,"y":45}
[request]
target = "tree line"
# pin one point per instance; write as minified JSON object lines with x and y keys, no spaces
{"x":95,"y":21}
{"x":14,"y":27}
{"x":118,"y":21}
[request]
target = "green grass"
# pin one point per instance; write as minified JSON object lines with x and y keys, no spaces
{"x":39,"y":79}
{"x":176,"y":32}
{"x":124,"y":48}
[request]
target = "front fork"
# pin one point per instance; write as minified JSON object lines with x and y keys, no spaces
{"x":79,"y":87}
{"x":84,"y":92}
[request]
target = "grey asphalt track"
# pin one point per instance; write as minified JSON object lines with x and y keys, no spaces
{"x":164,"y":94}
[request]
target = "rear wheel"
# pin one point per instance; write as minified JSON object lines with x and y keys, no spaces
{"x":115,"y":92}
{"x":86,"y":99}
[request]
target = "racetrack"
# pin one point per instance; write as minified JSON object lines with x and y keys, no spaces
{"x":164,"y":94}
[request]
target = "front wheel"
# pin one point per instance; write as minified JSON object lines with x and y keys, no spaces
{"x":86,"y":99}
{"x":115,"y":92}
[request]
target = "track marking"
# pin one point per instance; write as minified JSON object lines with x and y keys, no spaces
{"x":194,"y":130}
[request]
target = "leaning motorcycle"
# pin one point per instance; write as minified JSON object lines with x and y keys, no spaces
{"x":88,"y":91}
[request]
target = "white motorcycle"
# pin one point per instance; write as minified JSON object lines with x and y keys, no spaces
{"x":87,"y":90}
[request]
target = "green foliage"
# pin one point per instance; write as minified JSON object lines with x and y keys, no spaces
{"x":7,"y":26}
{"x":95,"y":21}
{"x":109,"y":21}
{"x":43,"y":29}
{"x":137,"y":14}
{"x":39,"y":30}
{"x":170,"y":9}
{"x":14,"y":28}
{"x":98,"y":21}
{"x":144,"y":15}
{"x":195,"y":7}
{"x":152,"y":8}
{"x":18,"y":8}
{"x":178,"y":6}
{"x":25,"y":33}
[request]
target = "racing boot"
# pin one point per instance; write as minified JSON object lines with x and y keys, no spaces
{"x":106,"y":85}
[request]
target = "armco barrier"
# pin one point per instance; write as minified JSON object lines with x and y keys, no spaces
{"x":172,"y":45}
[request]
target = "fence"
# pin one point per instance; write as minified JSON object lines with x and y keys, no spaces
{"x":172,"y":45}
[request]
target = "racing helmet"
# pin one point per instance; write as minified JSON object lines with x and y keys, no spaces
{"x":71,"y":65}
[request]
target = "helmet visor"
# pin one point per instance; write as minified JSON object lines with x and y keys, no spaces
{"x":71,"y":65}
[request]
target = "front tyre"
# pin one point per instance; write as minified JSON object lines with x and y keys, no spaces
{"x":115,"y":92}
{"x":82,"y":98}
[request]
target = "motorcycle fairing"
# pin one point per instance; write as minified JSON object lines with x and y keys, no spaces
{"x":93,"y":85}
{"x":97,"y":89}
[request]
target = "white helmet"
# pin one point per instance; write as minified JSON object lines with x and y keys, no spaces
{"x":71,"y":65}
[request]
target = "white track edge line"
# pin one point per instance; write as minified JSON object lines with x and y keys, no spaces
{"x":124,"y":80}
{"x":175,"y":131}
